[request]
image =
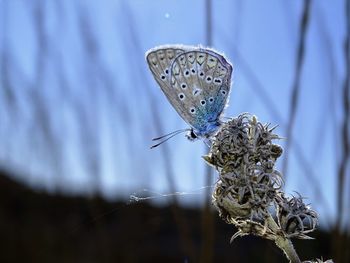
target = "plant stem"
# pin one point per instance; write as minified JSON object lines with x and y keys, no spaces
{"x":283,"y":242}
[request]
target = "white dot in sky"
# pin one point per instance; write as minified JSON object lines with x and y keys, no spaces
{"x":167,"y":15}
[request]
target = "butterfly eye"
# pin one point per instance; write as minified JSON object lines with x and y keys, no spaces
{"x":192,"y":110}
{"x":208,"y":79}
{"x":211,"y":99}
{"x":223,"y":92}
{"x":181,"y":96}
{"x":183,"y":85}
{"x":203,"y":102}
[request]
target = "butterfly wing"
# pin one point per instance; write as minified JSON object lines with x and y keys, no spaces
{"x":197,"y":86}
{"x":204,"y":77}
{"x":159,"y":60}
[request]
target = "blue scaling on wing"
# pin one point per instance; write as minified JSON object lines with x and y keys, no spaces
{"x":196,"y":81}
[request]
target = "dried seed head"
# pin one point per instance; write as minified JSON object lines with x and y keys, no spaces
{"x":241,"y":138}
{"x":249,"y":186}
{"x":245,"y":156}
{"x":296,"y":218}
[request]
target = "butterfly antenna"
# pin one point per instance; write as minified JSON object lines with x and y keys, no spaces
{"x":167,"y":137}
{"x":171,"y":133}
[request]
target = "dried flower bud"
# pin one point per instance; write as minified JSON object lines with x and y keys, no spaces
{"x":243,"y":137}
{"x":295,"y":218}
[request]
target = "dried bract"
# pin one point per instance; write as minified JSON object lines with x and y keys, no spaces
{"x":249,"y":190}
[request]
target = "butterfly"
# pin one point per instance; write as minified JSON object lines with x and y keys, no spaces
{"x":196,"y":82}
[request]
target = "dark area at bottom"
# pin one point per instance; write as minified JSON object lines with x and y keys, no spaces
{"x":38,"y":227}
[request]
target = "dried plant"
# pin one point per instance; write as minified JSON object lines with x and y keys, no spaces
{"x":248,"y":193}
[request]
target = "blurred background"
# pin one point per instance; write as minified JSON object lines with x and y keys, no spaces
{"x":79,"y":107}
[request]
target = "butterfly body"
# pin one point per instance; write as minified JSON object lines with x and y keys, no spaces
{"x":197,"y":83}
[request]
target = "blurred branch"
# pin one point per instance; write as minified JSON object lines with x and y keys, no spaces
{"x":208,"y":230}
{"x":38,"y":92}
{"x":258,"y":87}
{"x":185,"y":238}
{"x":104,"y":90}
{"x":341,"y":239}
{"x":330,"y":66}
{"x":89,"y":120}
{"x":296,"y":86}
{"x":7,"y":89}
{"x":238,"y":14}
{"x":208,"y":23}
{"x":5,"y":60}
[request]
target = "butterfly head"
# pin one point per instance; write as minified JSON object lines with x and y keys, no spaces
{"x":191,"y":136}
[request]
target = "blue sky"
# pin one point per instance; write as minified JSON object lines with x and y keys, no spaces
{"x":94,"y":86}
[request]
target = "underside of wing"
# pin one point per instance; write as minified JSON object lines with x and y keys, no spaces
{"x":204,"y":78}
{"x":159,"y":60}
{"x":195,"y":80}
